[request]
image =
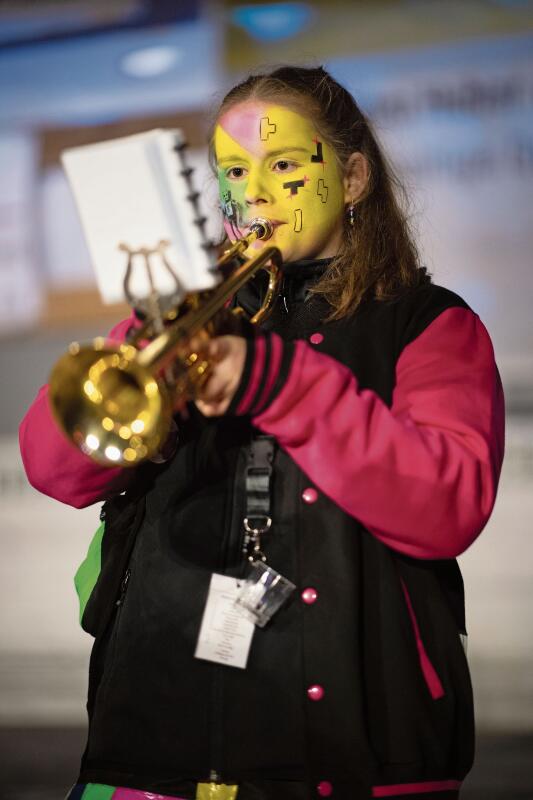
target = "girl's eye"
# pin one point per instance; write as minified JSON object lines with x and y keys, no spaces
{"x":284,"y":166}
{"x":236,"y":173}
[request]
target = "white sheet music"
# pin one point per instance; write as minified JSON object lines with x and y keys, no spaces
{"x":131,"y":190}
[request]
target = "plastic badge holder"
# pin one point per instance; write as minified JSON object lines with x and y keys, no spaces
{"x":263,"y":592}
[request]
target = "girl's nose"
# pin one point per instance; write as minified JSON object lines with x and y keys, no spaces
{"x":256,"y":189}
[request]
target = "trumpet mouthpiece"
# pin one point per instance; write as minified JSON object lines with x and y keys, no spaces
{"x":263,"y":227}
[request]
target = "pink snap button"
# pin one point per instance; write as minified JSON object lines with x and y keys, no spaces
{"x":316,"y":338}
{"x":324,"y":789}
{"x":315,"y":692}
{"x":309,"y":595}
{"x":309,"y":495}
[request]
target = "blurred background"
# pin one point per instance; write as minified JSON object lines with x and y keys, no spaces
{"x":449,"y":86}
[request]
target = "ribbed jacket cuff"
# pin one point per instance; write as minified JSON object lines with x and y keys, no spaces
{"x":266,"y":367}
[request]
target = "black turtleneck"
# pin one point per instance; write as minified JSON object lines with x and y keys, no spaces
{"x":298,"y":277}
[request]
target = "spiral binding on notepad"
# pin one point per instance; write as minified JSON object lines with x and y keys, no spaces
{"x":193,"y":196}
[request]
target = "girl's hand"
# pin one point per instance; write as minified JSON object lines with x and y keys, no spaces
{"x":227,"y":355}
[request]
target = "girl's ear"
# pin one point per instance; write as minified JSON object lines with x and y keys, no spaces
{"x":356,"y":177}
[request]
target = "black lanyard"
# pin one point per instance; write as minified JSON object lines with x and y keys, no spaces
{"x":258,"y":489}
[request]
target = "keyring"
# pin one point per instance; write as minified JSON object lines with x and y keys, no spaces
{"x":257,"y":531}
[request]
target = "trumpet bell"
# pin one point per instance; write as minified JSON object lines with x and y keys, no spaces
{"x":110,"y":406}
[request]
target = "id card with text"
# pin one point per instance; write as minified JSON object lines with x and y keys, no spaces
{"x":225,"y":633}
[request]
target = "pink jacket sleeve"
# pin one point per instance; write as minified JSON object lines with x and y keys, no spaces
{"x":54,"y":466}
{"x":420,"y":475}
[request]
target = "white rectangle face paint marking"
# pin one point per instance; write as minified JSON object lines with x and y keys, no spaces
{"x":225,"y":634}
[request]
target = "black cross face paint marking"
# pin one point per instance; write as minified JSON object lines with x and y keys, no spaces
{"x":294,"y":186}
{"x":297,"y":220}
{"x":266,"y":128}
{"x":322,"y":190}
{"x":318,"y":158}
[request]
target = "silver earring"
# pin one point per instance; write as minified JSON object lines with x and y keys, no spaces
{"x":351,"y":215}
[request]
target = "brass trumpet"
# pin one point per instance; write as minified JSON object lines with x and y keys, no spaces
{"x":115,"y":401}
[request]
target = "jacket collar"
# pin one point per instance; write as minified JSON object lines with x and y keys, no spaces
{"x":299,"y":276}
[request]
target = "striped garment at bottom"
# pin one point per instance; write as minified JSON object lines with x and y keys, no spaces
{"x":98,"y":791}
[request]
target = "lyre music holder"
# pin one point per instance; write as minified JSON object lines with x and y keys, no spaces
{"x":152,"y":303}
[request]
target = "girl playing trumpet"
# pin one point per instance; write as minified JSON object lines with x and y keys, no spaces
{"x":365,"y":421}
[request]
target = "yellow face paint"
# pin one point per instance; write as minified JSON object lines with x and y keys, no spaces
{"x":273,"y":163}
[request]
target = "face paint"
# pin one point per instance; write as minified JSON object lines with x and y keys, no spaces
{"x":295,"y":185}
{"x":318,"y":157}
{"x":272,"y":163}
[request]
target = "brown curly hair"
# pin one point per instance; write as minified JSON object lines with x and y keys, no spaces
{"x":378,"y":257}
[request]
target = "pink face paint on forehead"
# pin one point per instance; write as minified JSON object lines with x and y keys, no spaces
{"x":249,"y":125}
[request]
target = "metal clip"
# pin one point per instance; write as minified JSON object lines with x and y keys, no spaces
{"x":257,"y":531}
{"x":253,"y":536}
